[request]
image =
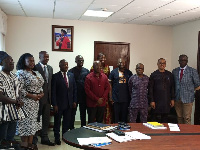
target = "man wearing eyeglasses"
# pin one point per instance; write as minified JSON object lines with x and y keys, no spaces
{"x":186,"y":82}
{"x":161,"y":92}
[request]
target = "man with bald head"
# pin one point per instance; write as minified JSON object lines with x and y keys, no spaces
{"x":64,"y":98}
{"x":97,"y":88}
{"x":138,"y":85}
{"x":80,"y":74}
{"x":120,"y":93}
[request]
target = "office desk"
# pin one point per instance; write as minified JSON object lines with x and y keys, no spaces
{"x":187,"y":139}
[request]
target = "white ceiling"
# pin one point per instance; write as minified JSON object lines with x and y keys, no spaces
{"x":147,"y":12}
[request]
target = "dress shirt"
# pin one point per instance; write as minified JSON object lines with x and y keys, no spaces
{"x":183,"y":71}
{"x":46,"y":72}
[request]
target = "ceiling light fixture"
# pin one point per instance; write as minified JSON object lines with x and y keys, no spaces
{"x":98,"y":13}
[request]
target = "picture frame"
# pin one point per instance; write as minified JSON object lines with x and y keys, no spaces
{"x":62,"y":38}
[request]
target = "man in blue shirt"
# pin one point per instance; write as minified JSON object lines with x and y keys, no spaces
{"x":120,"y":93}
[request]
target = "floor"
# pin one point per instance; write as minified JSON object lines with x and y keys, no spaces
{"x":63,"y":145}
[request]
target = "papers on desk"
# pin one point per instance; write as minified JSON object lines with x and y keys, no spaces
{"x":173,"y":127}
{"x":129,"y":136}
{"x":119,"y":138}
{"x":95,"y":141}
{"x":99,"y":127}
{"x":154,"y":127}
{"x":135,"y":135}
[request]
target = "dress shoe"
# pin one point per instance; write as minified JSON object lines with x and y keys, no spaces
{"x":58,"y":142}
{"x":48,"y":142}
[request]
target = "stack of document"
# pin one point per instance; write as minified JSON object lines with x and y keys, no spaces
{"x":100,"y":127}
{"x":129,"y":136}
{"x":95,"y":141}
{"x":173,"y":127}
{"x":155,"y":125}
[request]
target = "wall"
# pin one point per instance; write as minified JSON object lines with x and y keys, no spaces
{"x":147,"y":43}
{"x":185,"y":41}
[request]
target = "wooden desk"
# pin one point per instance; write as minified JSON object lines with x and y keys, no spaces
{"x":187,"y":139}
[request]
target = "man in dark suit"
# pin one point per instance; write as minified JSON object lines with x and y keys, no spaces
{"x":44,"y":109}
{"x":79,"y":74}
{"x":64,"y":98}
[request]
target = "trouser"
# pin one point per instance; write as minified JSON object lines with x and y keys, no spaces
{"x":82,"y":109}
{"x":7,"y":130}
{"x":121,"y":111}
{"x":66,"y":114}
{"x":183,"y":111}
{"x":95,"y":114}
{"x":45,"y":121}
{"x":45,"y":112}
{"x":160,"y":117}
{"x":133,"y":113}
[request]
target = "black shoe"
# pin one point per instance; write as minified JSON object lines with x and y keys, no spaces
{"x":48,"y":142}
{"x":58,"y":142}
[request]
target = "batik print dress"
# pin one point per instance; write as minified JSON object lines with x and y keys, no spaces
{"x":31,"y":84}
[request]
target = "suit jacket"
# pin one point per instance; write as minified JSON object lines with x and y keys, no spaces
{"x":63,"y":96}
{"x":47,"y":85}
{"x":184,"y":89}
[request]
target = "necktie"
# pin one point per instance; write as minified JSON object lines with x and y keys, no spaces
{"x":65,"y":78}
{"x":46,"y":73}
{"x":181,"y":74}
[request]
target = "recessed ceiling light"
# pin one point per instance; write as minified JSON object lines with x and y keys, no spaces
{"x":94,"y":13}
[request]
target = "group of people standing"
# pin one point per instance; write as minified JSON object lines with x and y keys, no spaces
{"x":30,"y":90}
{"x":130,"y":96}
{"x":108,"y":97}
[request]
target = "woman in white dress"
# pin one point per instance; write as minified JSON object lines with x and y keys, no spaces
{"x":31,"y":94}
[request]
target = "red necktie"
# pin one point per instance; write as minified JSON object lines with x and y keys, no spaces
{"x":181,"y":74}
{"x":65,"y":78}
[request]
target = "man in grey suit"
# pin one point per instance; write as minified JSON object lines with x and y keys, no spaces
{"x":45,"y":102}
{"x":186,"y":82}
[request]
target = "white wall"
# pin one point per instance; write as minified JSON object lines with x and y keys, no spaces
{"x":185,"y":41}
{"x":147,"y":43}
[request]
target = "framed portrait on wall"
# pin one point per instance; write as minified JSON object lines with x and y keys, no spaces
{"x":62,"y":38}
